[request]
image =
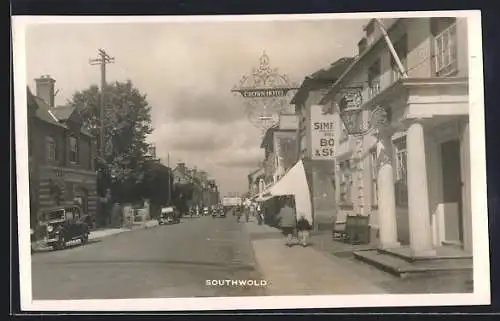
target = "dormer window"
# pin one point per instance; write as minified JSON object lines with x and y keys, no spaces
{"x":73,"y":150}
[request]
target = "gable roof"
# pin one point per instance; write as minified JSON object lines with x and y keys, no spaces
{"x":63,"y":113}
{"x":54,"y":116}
{"x":44,"y":113}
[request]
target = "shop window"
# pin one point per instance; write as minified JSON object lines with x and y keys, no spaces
{"x":401,"y":186}
{"x":345,"y":183}
{"x":73,"y":150}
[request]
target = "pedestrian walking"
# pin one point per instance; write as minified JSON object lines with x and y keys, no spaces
{"x":247,"y":214}
{"x":238,"y":214}
{"x":303,"y":230}
{"x":287,"y":222}
{"x":260,"y":217}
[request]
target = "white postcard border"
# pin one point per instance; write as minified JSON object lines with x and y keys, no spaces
{"x":481,"y":294}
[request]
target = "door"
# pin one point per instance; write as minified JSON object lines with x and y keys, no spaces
{"x":452,"y":191}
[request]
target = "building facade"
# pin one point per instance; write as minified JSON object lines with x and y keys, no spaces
{"x":280,"y":148}
{"x":203,"y":191}
{"x":280,"y":154}
{"x":320,"y":171}
{"x":412,"y":177}
{"x":256,"y":181}
{"x":61,"y":154}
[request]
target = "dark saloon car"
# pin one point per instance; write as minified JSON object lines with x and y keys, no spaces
{"x":63,"y":224}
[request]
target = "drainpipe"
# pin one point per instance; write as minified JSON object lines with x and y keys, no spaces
{"x":391,"y":48}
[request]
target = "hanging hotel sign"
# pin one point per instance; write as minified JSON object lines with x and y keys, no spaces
{"x":266,"y":93}
{"x":322,"y":134}
{"x":263,"y":92}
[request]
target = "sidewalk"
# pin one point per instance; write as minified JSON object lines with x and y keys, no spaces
{"x":302,"y":271}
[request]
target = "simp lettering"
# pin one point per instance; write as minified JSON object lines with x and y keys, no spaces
{"x":323,"y":125}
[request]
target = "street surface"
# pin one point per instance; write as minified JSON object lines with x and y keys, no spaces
{"x":163,"y":261}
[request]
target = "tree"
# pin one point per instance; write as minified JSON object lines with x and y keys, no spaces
{"x":156,"y":183}
{"x":183,"y":194}
{"x":127,"y":123}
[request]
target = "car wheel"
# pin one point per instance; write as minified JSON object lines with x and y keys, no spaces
{"x":85,"y":238}
{"x":61,"y":243}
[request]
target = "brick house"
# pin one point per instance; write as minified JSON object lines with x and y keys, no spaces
{"x":61,"y":154}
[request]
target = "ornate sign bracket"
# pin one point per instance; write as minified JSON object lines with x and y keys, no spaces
{"x":351,"y":112}
{"x":265,"y":93}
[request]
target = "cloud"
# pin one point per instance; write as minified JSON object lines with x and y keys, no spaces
{"x":196,"y":136}
{"x":190,"y":104}
{"x":202,"y":136}
{"x":241,"y":158}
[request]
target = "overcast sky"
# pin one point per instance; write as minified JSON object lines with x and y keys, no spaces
{"x":187,"y":71}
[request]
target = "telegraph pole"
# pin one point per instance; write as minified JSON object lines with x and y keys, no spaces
{"x":102,"y":60}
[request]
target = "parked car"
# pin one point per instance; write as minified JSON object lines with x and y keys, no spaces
{"x":206,"y":211}
{"x":169,"y":215}
{"x":63,"y":224}
{"x":220,"y":212}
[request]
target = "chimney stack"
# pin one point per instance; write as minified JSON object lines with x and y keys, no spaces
{"x":45,"y":89}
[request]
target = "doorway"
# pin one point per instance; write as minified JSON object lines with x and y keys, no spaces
{"x":452,"y":192}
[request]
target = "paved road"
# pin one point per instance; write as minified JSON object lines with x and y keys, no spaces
{"x":164,"y":261}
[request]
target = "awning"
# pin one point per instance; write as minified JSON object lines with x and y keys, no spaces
{"x":294,"y":182}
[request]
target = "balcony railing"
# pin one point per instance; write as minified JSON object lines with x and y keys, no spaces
{"x":445,"y":46}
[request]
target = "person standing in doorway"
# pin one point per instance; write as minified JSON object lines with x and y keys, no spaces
{"x":287,"y":221}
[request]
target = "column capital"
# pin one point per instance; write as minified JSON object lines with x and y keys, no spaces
{"x":407,"y":122}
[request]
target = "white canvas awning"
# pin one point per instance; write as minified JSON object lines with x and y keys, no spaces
{"x":294,"y":182}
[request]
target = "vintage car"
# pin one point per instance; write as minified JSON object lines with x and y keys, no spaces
{"x":168,"y":215}
{"x":63,"y":224}
{"x":218,"y":212}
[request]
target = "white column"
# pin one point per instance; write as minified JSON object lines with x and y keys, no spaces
{"x":466,"y":191}
{"x":418,"y":194}
{"x":386,"y":198}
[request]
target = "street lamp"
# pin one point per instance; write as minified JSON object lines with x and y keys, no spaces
{"x":351,"y":114}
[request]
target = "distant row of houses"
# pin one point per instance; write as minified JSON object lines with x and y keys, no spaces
{"x":205,"y":191}
{"x":413,"y":178}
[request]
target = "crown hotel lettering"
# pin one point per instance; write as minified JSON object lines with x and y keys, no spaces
{"x":263,"y":93}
